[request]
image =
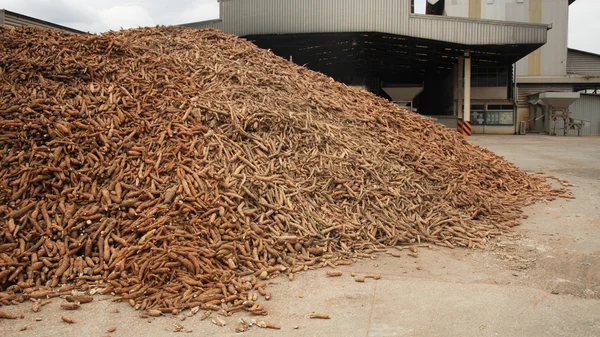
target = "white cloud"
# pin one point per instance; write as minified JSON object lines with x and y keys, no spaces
{"x":584,"y":27}
{"x":198,"y":12}
{"x":103,"y":15}
{"x":127,"y":16}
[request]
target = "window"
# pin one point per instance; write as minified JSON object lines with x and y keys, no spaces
{"x":478,"y":117}
{"x":499,"y":114}
{"x":418,"y":6}
{"x":499,"y":117}
{"x":495,"y":114}
{"x":500,"y":107}
{"x":489,"y":77}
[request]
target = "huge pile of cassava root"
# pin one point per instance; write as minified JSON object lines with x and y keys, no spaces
{"x":179,"y":168}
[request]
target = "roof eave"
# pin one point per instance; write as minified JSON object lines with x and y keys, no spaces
{"x":200,"y":23}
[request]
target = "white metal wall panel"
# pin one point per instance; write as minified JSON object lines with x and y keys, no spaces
{"x":582,"y":63}
{"x":494,"y":10}
{"x":261,"y":17}
{"x":519,"y":12}
{"x":1,"y":16}
{"x":587,"y":108}
{"x":457,"y":8}
{"x":554,"y":52}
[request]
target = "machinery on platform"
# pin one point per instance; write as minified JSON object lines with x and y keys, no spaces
{"x":557,"y":115}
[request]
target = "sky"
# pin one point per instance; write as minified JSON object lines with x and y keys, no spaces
{"x":98,"y":16}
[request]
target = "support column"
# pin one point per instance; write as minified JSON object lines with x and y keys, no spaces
{"x":467,"y":109}
{"x":455,"y":90}
{"x":467,"y":112}
{"x":459,"y":101}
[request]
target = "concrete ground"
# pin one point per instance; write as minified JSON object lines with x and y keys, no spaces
{"x":541,"y":280}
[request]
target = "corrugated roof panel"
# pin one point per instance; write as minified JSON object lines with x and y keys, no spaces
{"x":18,"y":20}
{"x":582,"y":63}
{"x":474,"y":32}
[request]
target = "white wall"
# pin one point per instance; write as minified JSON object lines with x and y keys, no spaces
{"x":554,"y":53}
{"x":489,"y":93}
{"x":457,"y":8}
{"x":495,"y":10}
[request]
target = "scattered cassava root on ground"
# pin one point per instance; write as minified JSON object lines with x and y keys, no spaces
{"x":179,"y":168}
{"x":7,"y":315}
{"x":318,"y":316}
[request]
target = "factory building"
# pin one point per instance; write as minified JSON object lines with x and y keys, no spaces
{"x":13,"y":19}
{"x":481,"y":62}
{"x":552,"y":68}
{"x":484,"y":66}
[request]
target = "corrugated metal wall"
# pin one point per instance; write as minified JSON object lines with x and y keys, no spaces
{"x":1,"y":16}
{"x":587,"y":108}
{"x":583,"y":63}
{"x":254,"y":17}
{"x":260,"y":17}
{"x":473,"y":32}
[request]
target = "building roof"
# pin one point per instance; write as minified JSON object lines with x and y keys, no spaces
{"x":4,"y":13}
{"x":266,"y":17}
{"x":584,"y":64}
{"x":385,"y":55}
{"x":583,"y":51}
{"x":382,"y":38}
